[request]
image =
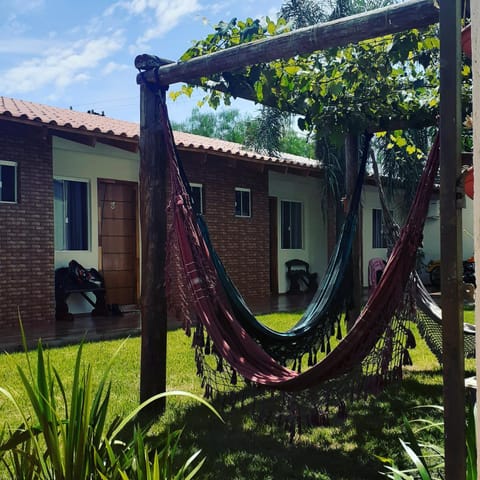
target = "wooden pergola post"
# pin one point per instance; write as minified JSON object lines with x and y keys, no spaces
{"x":351,"y":173}
{"x":475,"y":19}
{"x":153,"y":221}
{"x":451,"y":240}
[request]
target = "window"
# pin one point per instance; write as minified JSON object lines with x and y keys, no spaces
{"x":378,"y":236}
{"x":291,"y":225}
{"x":71,"y":214}
{"x":8,"y":182}
{"x":197,"y":195}
{"x":242,"y":202}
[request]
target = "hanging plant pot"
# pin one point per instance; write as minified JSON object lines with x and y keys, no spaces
{"x":467,"y":41}
{"x":469,"y":182}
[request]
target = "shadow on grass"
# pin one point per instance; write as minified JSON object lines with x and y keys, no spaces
{"x":247,"y":447}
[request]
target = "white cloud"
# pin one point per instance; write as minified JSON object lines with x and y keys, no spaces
{"x":24,"y":46}
{"x":23,"y":6}
{"x":112,"y":67}
{"x":159,"y":16}
{"x":60,"y":67}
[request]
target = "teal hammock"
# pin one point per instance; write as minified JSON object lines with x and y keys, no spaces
{"x":323,"y":317}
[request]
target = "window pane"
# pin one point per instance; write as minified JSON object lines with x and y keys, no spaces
{"x":7,"y":186}
{"x":296,"y":225}
{"x":291,"y":228}
{"x":59,"y":214}
{"x":377,"y":230}
{"x":242,"y":203}
{"x":71,"y":215}
{"x":197,"y":196}
{"x":77,"y":238}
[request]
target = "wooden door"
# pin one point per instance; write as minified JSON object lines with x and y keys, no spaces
{"x":117,"y":239}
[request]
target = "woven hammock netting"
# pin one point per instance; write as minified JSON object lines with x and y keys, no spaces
{"x":326,"y":313}
{"x":428,"y":315}
{"x":229,"y":358}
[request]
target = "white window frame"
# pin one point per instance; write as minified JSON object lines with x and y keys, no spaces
{"x":199,"y":186}
{"x":241,"y":214}
{"x":88,"y":208}
{"x":283,"y":226}
{"x":15,"y":180}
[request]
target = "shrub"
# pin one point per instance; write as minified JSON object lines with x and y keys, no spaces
{"x":70,"y":437}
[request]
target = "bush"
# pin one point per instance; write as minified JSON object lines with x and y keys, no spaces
{"x":71,"y":438}
{"x":426,"y":457}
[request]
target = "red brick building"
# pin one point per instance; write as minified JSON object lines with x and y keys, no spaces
{"x":69,"y":190}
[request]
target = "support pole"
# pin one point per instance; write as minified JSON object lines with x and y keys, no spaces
{"x":351,"y":173}
{"x":153,"y":224}
{"x":475,"y":21}
{"x":451,"y":200}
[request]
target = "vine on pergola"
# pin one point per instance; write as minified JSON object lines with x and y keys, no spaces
{"x":385,"y":83}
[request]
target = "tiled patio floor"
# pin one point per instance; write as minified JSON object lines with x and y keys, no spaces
{"x":111,"y":327}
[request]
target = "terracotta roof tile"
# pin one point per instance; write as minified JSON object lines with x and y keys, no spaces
{"x":71,"y":119}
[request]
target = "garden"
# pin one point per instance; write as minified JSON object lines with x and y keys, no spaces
{"x":190,"y":440}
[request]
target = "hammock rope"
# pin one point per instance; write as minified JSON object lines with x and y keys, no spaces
{"x":428,"y":315}
{"x":322,"y":318}
{"x":206,"y":299}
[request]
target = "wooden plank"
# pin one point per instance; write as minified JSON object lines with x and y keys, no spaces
{"x":117,"y":209}
{"x":124,"y":244}
{"x":153,"y":221}
{"x":388,"y":20}
{"x":113,"y":261}
{"x":451,"y":241}
{"x":117,"y":192}
{"x":119,"y":227}
{"x":121,"y":296}
{"x":116,"y":279}
{"x":475,"y":20}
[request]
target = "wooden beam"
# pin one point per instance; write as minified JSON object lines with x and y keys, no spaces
{"x":71,"y":136}
{"x":153,"y":221}
{"x":351,"y":174}
{"x":451,"y":240}
{"x":388,"y":20}
{"x":122,"y":144}
{"x":475,"y":19}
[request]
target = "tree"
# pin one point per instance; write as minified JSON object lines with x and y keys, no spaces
{"x":247,"y":130}
{"x":228,"y":124}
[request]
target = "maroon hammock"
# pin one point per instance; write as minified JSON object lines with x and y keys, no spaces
{"x":231,"y":340}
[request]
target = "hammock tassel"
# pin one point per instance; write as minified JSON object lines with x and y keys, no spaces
{"x":322,"y":345}
{"x":219,"y":364}
{"x":407,"y":359}
{"x":233,"y":379}
{"x":410,"y":342}
{"x":339,"y":331}
{"x":342,"y":410}
{"x":207,"y":346}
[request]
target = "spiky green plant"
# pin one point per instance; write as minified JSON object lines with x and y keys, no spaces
{"x":427,"y":458}
{"x":69,"y":437}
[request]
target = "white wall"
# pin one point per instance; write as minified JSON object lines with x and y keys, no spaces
{"x":79,"y":162}
{"x":306,"y":190}
{"x":431,"y":231}
{"x":431,"y":234}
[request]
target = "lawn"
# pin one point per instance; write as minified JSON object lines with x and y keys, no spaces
{"x":245,"y":446}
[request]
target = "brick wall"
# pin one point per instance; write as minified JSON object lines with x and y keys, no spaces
{"x":26,"y":230}
{"x":242,"y":243}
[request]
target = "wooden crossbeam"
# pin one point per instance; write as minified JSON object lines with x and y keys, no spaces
{"x":341,"y":32}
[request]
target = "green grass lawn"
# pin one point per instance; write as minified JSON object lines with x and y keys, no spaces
{"x":245,"y":446}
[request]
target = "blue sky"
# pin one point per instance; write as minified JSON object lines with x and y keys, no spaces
{"x":80,"y":53}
